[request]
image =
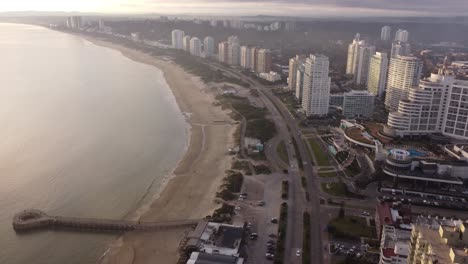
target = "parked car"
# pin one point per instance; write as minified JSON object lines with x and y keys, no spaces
{"x":274,"y":220}
{"x":298,"y":253}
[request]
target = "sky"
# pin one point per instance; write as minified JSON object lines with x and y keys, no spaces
{"x":307,"y":8}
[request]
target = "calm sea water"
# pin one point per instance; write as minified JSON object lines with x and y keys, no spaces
{"x":84,"y":132}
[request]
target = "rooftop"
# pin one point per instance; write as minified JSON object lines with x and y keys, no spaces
{"x":205,"y":258}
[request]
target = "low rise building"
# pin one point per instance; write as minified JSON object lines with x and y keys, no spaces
{"x":270,"y":76}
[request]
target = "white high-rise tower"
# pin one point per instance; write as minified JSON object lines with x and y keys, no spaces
{"x":177,"y":39}
{"x":353,"y":50}
{"x":195,"y":46}
{"x":377,"y":78}
{"x":208,"y":47}
{"x":401,"y":35}
{"x":362,"y":63}
{"x":385,"y":33}
{"x":316,"y":90}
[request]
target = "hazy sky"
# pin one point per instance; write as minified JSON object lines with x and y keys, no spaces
{"x":250,"y":7}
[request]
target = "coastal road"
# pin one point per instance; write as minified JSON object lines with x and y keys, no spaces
{"x":283,"y":118}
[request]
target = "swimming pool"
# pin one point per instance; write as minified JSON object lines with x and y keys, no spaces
{"x":416,"y":153}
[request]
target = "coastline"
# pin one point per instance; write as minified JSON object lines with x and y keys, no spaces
{"x":189,"y":192}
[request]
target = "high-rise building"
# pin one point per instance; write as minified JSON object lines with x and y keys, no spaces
{"x":290,"y":26}
{"x":223,"y":52}
{"x":101,"y":24}
{"x":364,"y":55}
{"x":264,"y":61}
{"x":233,"y":39}
{"x":186,"y":43}
{"x":253,"y":58}
{"x":177,"y":39}
{"x":404,"y":72}
{"x":358,"y":104}
{"x":385,"y":33}
{"x":195,"y":46}
{"x":208,"y":47}
{"x":316,"y":90}
{"x":438,"y":106}
{"x":353,"y":50}
{"x":401,"y":35}
{"x":377,"y":78}
{"x":400,"y":49}
{"x":293,"y":65}
{"x":74,"y":22}
{"x":300,"y":82}
{"x":246,"y":56}
{"x":234,"y":54}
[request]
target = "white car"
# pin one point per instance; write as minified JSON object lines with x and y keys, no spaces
{"x":298,"y":253}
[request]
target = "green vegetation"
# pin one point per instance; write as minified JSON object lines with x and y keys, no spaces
{"x":311,"y":157}
{"x":282,"y":152}
{"x":339,"y":189}
{"x":298,"y":155}
{"x":223,"y":214}
{"x":306,"y":239}
{"x":353,"y":169}
{"x":242,"y":165}
{"x":282,"y":227}
{"x":304,"y":182}
{"x":262,"y":129}
{"x":232,"y":183}
{"x":329,"y":174}
{"x":341,"y":156}
{"x":320,"y":155}
{"x":350,"y":227}
{"x":285,"y":189}
{"x":262,"y":169}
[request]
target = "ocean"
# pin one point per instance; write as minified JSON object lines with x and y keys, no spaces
{"x":84,"y":132}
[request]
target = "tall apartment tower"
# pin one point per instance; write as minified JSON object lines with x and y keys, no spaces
{"x":293,"y":66}
{"x":234,"y":54}
{"x":353,"y":50}
{"x":385,"y":33}
{"x":264,"y":61}
{"x":316,"y":90}
{"x":404,"y":73}
{"x":245,"y":57}
{"x":377,"y":78}
{"x":208,"y":47}
{"x":177,"y":39}
{"x":400,"y":49}
{"x":401,"y":35}
{"x":223,"y":52}
{"x":253,"y":58}
{"x":364,"y":55}
{"x":195,"y":46}
{"x":186,"y":43}
{"x":233,"y":39}
{"x":300,"y":82}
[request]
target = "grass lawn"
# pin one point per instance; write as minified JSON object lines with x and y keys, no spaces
{"x":350,"y":227}
{"x":319,"y":154}
{"x":327,"y":174}
{"x":282,"y":152}
{"x":339,"y":189}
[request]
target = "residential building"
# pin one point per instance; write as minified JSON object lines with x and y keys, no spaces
{"x":208,"y":47}
{"x":246,"y":57}
{"x":316,"y":91}
{"x":401,"y":35}
{"x":264,"y":60}
{"x":337,"y":99}
{"x":392,"y":216}
{"x":438,"y":106}
{"x":186,"y":43}
{"x":442,"y":244}
{"x":404,"y":73}
{"x":101,"y":25}
{"x":195,"y":46}
{"x":270,"y":76}
{"x":400,"y":49}
{"x":385,"y":33}
{"x":292,"y":74}
{"x":290,"y":26}
{"x":364,"y":55}
{"x":394,"y":245}
{"x":358,"y":104}
{"x":74,"y":22}
{"x":234,"y":53}
{"x":177,"y":39}
{"x":253,"y":58}
{"x":299,"y":82}
{"x":223,"y":52}
{"x":233,"y":39}
{"x":353,"y":50}
{"x":377,"y":77}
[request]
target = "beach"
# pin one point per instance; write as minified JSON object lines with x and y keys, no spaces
{"x":190,"y":192}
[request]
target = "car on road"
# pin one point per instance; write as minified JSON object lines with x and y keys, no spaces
{"x":274,"y":220}
{"x":261,"y":203}
{"x":298,"y":253}
{"x":237,"y":208}
{"x":364,"y":213}
{"x":253,"y":236}
{"x":269,"y":256}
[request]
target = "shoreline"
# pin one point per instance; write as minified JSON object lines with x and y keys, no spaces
{"x":189,"y":190}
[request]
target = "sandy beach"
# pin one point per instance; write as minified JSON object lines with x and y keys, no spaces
{"x":191,"y":191}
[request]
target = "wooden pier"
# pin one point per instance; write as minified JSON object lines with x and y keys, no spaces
{"x":32,"y":219}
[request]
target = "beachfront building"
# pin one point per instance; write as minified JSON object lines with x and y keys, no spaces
{"x":404,"y":73}
{"x":363,"y":57}
{"x":385,"y":33}
{"x":292,"y":74}
{"x":178,"y":39}
{"x":195,"y":47}
{"x":74,"y":22}
{"x":246,"y":57}
{"x":264,"y":61}
{"x":358,"y":104}
{"x":186,"y":43}
{"x":253,"y":58}
{"x":400,"y":49}
{"x":377,"y":77}
{"x":300,"y":82}
{"x":234,"y":54}
{"x":401,"y":35}
{"x":208,"y":47}
{"x":316,"y":90}
{"x":223,"y":52}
